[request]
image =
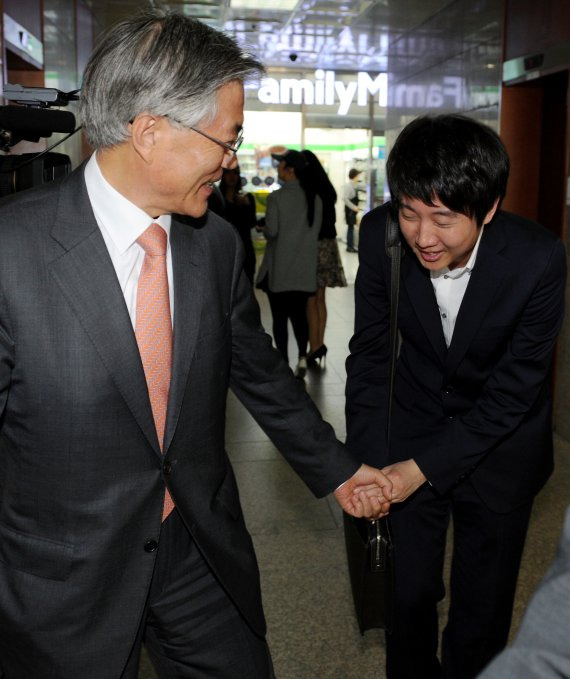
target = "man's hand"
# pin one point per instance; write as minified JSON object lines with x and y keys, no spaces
{"x":406,"y":478}
{"x":366,"y":494}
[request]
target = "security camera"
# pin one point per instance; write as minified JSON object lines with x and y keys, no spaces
{"x":293,"y":56}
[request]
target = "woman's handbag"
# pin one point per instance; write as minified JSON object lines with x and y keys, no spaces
{"x":369,"y":547}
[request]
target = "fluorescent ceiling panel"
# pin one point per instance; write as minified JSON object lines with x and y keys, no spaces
{"x":263,"y":127}
{"x":276,"y":5}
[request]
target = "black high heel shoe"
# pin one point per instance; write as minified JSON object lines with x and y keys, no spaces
{"x":317,"y":356}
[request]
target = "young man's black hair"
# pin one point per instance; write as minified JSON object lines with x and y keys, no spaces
{"x":455,"y":158}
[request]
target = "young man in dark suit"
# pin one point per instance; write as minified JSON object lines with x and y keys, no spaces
{"x":481,"y":304}
{"x":121,"y":329}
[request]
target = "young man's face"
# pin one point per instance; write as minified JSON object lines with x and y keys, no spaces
{"x":438,"y":236}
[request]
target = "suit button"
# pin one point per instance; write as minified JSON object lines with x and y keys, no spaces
{"x":167,"y":468}
{"x":150,"y":546}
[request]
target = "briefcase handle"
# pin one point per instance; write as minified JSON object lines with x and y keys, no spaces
{"x":379,"y":545}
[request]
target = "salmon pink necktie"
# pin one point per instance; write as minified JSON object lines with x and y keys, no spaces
{"x":154,"y":330}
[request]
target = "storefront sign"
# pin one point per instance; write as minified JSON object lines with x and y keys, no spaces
{"x":449,"y":93}
{"x":325,"y":90}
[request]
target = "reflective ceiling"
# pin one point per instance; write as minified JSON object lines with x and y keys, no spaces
{"x":339,"y":34}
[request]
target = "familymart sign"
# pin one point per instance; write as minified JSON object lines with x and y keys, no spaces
{"x":325,"y":90}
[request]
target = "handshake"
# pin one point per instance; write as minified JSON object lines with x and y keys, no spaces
{"x":370,"y":491}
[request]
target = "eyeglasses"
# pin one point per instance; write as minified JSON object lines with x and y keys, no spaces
{"x":230,"y":147}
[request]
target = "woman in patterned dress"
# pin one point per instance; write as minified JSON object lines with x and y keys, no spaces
{"x":330,"y":273}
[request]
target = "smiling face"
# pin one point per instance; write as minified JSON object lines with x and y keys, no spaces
{"x":183,"y":164}
{"x":439,"y":236}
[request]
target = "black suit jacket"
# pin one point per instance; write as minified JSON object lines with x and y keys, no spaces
{"x":480,"y":409}
{"x":81,"y":472}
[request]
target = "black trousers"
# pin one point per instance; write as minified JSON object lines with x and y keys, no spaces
{"x":350,"y":217}
{"x":487,"y":549}
{"x":191,"y":629}
{"x":290,"y":305}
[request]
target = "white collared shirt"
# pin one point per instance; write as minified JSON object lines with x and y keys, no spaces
{"x":121,"y":223}
{"x":449,"y":287}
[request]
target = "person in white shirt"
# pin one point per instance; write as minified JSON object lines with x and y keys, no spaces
{"x":350,"y":197}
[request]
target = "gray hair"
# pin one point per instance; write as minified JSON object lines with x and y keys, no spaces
{"x":162,"y":63}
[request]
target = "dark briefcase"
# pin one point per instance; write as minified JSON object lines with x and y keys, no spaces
{"x":369,"y":548}
{"x":370,"y":564}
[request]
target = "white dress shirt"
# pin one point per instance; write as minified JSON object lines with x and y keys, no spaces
{"x":121,"y":223}
{"x":449,"y":289}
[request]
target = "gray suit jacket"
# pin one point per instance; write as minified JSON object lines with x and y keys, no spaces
{"x":81,"y":473}
{"x":541,"y":649}
{"x":291,"y":252}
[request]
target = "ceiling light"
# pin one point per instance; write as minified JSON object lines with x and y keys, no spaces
{"x":276,"y":5}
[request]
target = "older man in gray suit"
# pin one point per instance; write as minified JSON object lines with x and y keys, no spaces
{"x":541,"y":649}
{"x":121,"y":328}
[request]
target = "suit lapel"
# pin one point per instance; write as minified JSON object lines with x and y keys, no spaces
{"x":189,"y":280}
{"x":420,"y":291}
{"x":88,"y":281}
{"x":484,"y":282}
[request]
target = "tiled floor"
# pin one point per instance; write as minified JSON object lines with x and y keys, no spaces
{"x":299,"y":540}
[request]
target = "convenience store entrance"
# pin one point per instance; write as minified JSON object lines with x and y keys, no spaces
{"x":338,"y":148}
